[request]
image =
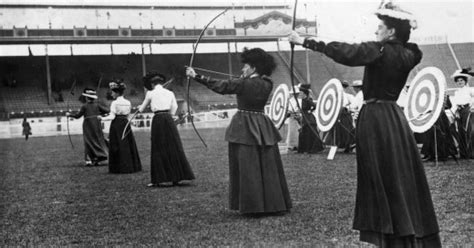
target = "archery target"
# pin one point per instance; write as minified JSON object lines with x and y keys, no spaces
{"x":425,"y":99}
{"x":329,"y":105}
{"x":279,"y":105}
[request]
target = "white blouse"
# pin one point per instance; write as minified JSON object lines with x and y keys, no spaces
{"x":463,"y":96}
{"x":119,"y":106}
{"x":356,"y":105}
{"x":160,"y":99}
{"x":347,"y":99}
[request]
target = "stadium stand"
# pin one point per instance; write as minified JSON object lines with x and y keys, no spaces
{"x":437,"y":55}
{"x":30,"y":95}
{"x":465,"y":54}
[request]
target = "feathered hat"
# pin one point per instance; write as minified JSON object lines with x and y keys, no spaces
{"x":465,"y":73}
{"x":394,"y":11}
{"x":117,"y":86}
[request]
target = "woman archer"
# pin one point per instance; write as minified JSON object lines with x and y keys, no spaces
{"x":393,"y":201}
{"x":257,"y":180}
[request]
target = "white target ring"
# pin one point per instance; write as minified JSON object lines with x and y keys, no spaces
{"x":329,"y":105}
{"x":328,"y":101}
{"x":279,"y":105}
{"x":425,"y":99}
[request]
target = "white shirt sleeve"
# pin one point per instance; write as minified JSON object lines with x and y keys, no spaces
{"x":174,"y":104}
{"x":356,"y":105}
{"x":146,"y":101}
{"x":112,"y":113}
{"x":348,"y":99}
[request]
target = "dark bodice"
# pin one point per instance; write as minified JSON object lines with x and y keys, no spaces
{"x":307,"y":105}
{"x":251,"y":127}
{"x":252,"y":93}
{"x":387,"y":64}
{"x":91,"y":109}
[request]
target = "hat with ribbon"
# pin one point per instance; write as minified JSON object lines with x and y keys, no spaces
{"x":90,"y":93}
{"x":465,"y":73}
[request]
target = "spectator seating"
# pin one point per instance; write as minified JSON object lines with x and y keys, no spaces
{"x":30,"y":94}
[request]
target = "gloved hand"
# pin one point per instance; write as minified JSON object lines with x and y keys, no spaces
{"x":295,"y":38}
{"x":190,"y":72}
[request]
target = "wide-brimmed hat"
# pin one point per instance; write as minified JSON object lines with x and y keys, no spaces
{"x":90,"y":93}
{"x":357,"y":83}
{"x":394,"y":11}
{"x":465,"y":73}
{"x":305,"y":88}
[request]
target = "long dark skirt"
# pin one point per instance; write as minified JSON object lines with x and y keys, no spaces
{"x":168,"y":161}
{"x":464,"y":135}
{"x":308,"y":139}
{"x":257,"y":180}
{"x":123,"y":154}
{"x":95,"y":146}
{"x":343,"y":133}
{"x":393,"y":200}
{"x":445,"y":146}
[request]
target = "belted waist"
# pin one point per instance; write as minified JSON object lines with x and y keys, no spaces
{"x":375,"y":100}
{"x":91,"y":116}
{"x":251,"y":111}
{"x":161,"y":112}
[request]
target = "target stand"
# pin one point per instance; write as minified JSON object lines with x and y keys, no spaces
{"x":425,"y":101}
{"x":328,"y":109}
{"x":278,"y":109}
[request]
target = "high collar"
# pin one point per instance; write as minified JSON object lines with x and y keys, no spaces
{"x":392,"y":41}
{"x":254,"y":75}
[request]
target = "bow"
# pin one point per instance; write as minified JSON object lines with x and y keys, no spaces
{"x":125,"y":131}
{"x":292,"y":76}
{"x":191,"y":65}
{"x":71,"y":92}
{"x":165,"y":85}
{"x":98,"y":84}
{"x":292,"y":57}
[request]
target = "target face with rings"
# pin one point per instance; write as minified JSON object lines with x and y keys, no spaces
{"x":329,"y":105}
{"x":279,"y":105}
{"x":425,"y":99}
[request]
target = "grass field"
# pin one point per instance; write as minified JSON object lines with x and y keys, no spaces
{"x":48,"y":198}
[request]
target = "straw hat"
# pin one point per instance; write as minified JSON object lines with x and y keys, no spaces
{"x":90,"y":93}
